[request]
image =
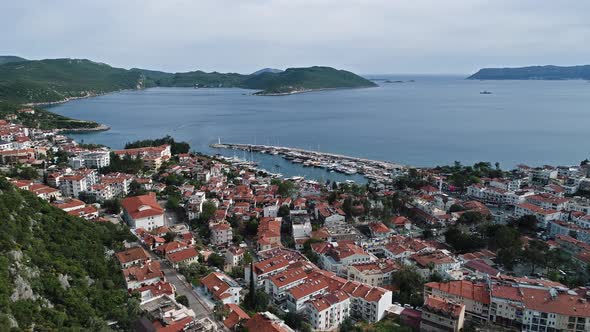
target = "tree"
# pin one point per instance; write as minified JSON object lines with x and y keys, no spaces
{"x":216,"y":260}
{"x":182,"y":299}
{"x":527,"y":223}
{"x":503,"y":236}
{"x":456,"y":208}
{"x":286,"y":188}
{"x":251,"y":228}
{"x":410,"y":284}
{"x":347,"y":206}
{"x":173,"y":203}
{"x":24,"y":172}
{"x":135,"y":189}
{"x":347,"y":325}
{"x":294,"y":320}
{"x":284,"y":211}
{"x":508,"y":257}
{"x":112,"y":206}
{"x":208,"y":210}
{"x":535,"y":254}
{"x":250,"y":300}
{"x":169,"y":236}
{"x":463,"y":242}
{"x":175,"y":147}
{"x":471,"y":218}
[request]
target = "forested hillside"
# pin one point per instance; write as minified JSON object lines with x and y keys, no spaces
{"x":52,"y":80}
{"x":58,"y":79}
{"x":55,"y":271}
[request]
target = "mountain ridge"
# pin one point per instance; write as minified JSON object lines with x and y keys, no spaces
{"x":546,"y":72}
{"x":55,"y":80}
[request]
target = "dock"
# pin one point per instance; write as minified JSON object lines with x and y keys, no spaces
{"x":374,"y":170}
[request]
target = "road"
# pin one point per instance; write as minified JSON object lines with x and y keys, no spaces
{"x":183,"y":288}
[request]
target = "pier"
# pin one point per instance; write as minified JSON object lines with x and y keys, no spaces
{"x":375,"y":170}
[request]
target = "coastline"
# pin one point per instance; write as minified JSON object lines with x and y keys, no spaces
{"x":299,"y":91}
{"x":63,"y":101}
{"x":100,"y":127}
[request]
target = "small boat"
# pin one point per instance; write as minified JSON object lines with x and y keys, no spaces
{"x":485,"y":92}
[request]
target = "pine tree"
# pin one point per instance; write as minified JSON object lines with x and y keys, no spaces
{"x":252,"y":293}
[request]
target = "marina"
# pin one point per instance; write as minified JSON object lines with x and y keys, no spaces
{"x":373,"y":170}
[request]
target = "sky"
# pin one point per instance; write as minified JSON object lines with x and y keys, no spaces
{"x":364,"y":36}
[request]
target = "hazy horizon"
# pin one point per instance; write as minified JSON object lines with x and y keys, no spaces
{"x":372,"y":37}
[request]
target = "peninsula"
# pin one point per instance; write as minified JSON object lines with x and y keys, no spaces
{"x":29,"y":84}
{"x":56,"y":80}
{"x":534,"y":73}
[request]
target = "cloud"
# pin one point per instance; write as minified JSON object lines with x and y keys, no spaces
{"x":367,"y":36}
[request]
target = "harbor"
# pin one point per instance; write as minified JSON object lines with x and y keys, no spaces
{"x":372,"y":170}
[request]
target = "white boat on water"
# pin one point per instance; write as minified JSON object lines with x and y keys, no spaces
{"x":296,"y":178}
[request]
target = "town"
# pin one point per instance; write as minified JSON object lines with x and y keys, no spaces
{"x":221,"y":246}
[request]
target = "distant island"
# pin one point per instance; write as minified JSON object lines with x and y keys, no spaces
{"x":266,"y":70}
{"x":534,"y":73}
{"x":297,"y":80}
{"x":56,"y":80}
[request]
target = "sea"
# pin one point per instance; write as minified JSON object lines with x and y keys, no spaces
{"x":415,"y":120}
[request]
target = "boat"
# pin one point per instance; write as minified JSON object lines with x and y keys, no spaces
{"x":485,"y":92}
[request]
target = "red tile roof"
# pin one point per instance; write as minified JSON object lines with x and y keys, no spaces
{"x":132,"y":254}
{"x":236,"y":314}
{"x":379,"y":227}
{"x":463,"y":288}
{"x":142,"y":206}
{"x":261,"y":323}
{"x":217,"y":285}
{"x":438,"y":305}
{"x":307,"y":288}
{"x":148,"y":271}
{"x":182,"y":255}
{"x":563,"y":303}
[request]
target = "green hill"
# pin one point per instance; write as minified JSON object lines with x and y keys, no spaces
{"x":534,"y":73}
{"x":55,"y":80}
{"x":59,"y":79}
{"x":305,"y":79}
{"x":10,"y":58}
{"x":191,"y":79}
{"x":52,"y":80}
{"x":54,"y":273}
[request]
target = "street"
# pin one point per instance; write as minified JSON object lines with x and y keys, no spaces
{"x":183,"y":288}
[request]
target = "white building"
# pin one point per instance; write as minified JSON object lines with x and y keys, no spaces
{"x":271,"y":211}
{"x":221,"y":233}
{"x":544,"y":216}
{"x":368,"y":303}
{"x":143,"y":212}
{"x":221,"y":288}
{"x":91,"y":159}
{"x":326,"y":312}
{"x":71,"y":185}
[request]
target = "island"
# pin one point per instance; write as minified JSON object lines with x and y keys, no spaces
{"x":297,"y":80}
{"x":534,"y":73}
